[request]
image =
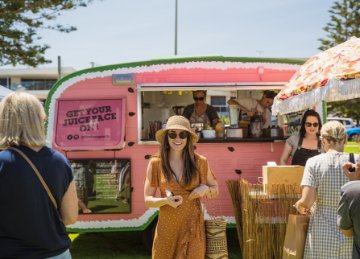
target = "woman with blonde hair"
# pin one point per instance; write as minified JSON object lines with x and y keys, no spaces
{"x":183,"y":177}
{"x":32,"y":223}
{"x":321,"y":191}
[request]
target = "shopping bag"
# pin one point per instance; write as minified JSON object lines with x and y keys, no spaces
{"x":216,"y":242}
{"x":296,"y":231}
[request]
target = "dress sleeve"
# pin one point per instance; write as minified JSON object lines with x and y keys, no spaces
{"x":293,"y":141}
{"x":309,"y":178}
{"x":204,"y":167}
{"x":155,"y":172}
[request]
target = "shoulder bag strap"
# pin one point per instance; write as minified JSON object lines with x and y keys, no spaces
{"x":352,"y":158}
{"x":36,"y":171}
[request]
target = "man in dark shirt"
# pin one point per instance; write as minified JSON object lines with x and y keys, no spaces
{"x":349,"y":208}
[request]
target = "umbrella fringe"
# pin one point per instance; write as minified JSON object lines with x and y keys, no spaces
{"x":334,"y":90}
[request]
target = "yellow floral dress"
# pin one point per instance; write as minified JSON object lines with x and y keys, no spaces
{"x":180,"y":232}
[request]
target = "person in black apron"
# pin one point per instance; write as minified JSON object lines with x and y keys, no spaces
{"x":303,"y":144}
{"x":200,"y":111}
{"x":303,"y":154}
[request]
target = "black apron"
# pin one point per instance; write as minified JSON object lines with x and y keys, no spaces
{"x":303,"y":154}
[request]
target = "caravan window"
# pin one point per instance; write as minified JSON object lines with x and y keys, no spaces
{"x":103,"y":185}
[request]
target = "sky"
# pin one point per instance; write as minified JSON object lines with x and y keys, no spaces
{"x":119,"y":31}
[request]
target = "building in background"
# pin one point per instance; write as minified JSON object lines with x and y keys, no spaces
{"x":37,"y":81}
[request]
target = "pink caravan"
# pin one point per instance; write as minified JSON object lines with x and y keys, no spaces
{"x":104,"y":120}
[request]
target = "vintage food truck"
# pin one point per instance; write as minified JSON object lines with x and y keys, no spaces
{"x":104,"y":120}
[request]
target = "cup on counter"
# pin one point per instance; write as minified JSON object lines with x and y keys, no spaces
{"x":220,"y":130}
{"x":209,"y":133}
{"x":220,"y":134}
{"x":197,"y":126}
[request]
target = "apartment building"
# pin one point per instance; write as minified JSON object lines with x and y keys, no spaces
{"x":37,"y":81}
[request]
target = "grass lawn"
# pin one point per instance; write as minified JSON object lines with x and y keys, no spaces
{"x":126,"y":245}
{"x":352,"y":147}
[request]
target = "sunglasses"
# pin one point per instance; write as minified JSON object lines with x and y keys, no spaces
{"x":182,"y":134}
{"x":309,"y":124}
{"x":199,"y":98}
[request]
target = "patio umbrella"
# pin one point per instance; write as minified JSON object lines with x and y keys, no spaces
{"x":332,"y":75}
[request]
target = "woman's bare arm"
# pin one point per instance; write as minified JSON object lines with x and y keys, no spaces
{"x":285,"y":154}
{"x":69,"y":205}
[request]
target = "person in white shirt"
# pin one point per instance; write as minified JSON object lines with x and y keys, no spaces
{"x":257,"y":107}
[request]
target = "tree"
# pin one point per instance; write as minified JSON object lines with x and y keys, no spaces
{"x":344,"y":23}
{"x":349,"y":108}
{"x":19,"y":22}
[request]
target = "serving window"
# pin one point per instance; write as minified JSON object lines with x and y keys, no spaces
{"x":157,"y":106}
{"x":157,"y":103}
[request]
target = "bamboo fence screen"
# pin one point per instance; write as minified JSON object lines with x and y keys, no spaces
{"x":261,"y":218}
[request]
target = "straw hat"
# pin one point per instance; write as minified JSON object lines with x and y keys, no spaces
{"x":177,"y":122}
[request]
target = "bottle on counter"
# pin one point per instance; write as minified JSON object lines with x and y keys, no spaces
{"x":274,"y":132}
{"x":220,"y":130}
{"x":267,"y":132}
{"x":256,"y":125}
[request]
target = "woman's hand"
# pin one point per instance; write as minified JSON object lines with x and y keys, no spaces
{"x":199,"y":192}
{"x":299,"y":206}
{"x":306,"y":201}
{"x":354,"y":175}
{"x":175,"y":201}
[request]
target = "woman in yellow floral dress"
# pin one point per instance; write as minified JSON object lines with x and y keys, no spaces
{"x":183,"y":177}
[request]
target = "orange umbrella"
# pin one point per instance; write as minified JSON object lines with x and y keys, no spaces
{"x":332,"y":75}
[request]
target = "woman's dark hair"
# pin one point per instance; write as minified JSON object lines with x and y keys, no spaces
{"x":202,"y":91}
{"x":303,"y":120}
{"x":188,"y":155}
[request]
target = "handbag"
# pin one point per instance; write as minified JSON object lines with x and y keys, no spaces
{"x":36,"y":171}
{"x":295,"y":237}
{"x":216,"y":242}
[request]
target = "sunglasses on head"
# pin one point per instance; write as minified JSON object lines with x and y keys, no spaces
{"x":182,"y":134}
{"x":309,"y":124}
{"x":199,"y":98}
